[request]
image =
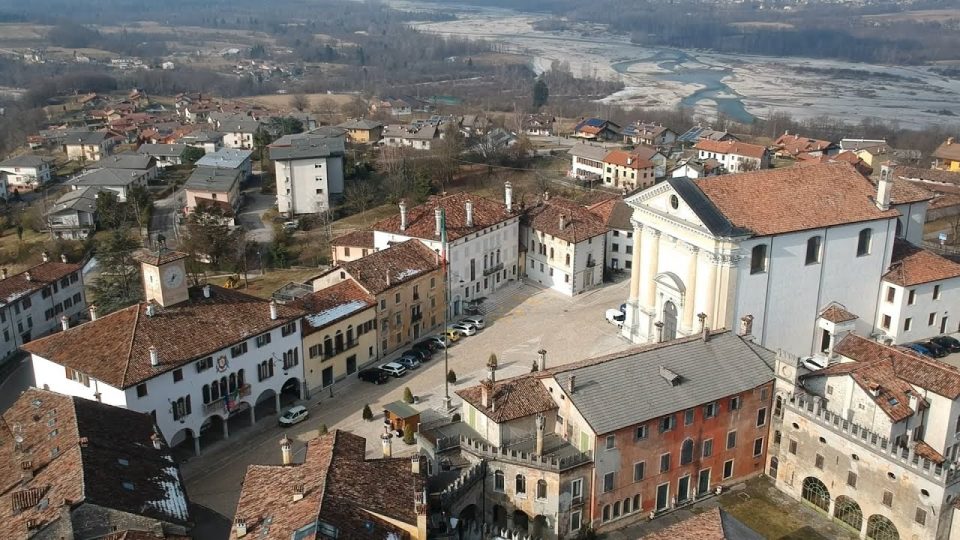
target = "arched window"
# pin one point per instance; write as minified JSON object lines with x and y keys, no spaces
{"x":616,"y":509}
{"x":327,"y":346}
{"x":214,"y":391}
{"x":338,"y":341}
{"x":881,"y":528}
{"x":206,"y":393}
{"x":498,"y":481}
{"x":758,"y":259}
{"x":484,"y":261}
{"x":541,"y":489}
{"x":232,"y":386}
{"x":241,"y":378}
{"x":521,"y":484}
{"x":686,"y":452}
{"x":223,"y":386}
{"x":498,"y":257}
{"x":636,"y":503}
{"x":606,"y":513}
{"x":568,"y":259}
{"x":349,"y":335}
{"x":863,"y":242}
{"x":815,"y":492}
{"x":814,"y":249}
{"x":626,"y":506}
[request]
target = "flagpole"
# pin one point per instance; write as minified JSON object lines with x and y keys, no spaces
{"x":446,"y":308}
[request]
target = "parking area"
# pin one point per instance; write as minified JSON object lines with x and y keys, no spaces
{"x":520,"y":320}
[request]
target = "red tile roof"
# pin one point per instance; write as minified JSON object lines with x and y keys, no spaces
{"x":332,"y":304}
{"x":837,"y":314}
{"x":340,"y":488}
{"x":878,"y":380}
{"x":160,"y":257}
{"x":703,"y":526}
{"x":795,"y":144}
{"x":917,"y":370}
{"x":911,"y":265}
{"x":929,"y":175}
{"x":513,"y":398}
{"x":579,"y":223}
{"x":732,"y":147}
{"x":115,"y":348}
{"x":622,"y":158}
{"x":614,"y":212}
{"x":41,"y":275}
{"x":387,"y":268}
{"x":777,"y":201}
{"x":949,"y":150}
{"x":360,"y":239}
{"x":421,"y":220}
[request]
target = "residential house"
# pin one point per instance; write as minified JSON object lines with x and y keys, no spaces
{"x":944,"y":185}
{"x":870,"y":441}
{"x":418,"y":137}
{"x":229,"y":158}
{"x":624,"y":170}
{"x":473,"y":124}
{"x":238,"y":132}
{"x":213,"y":186}
{"x":339,"y":333}
{"x":87,"y":146}
{"x":36,"y":300}
{"x":696,"y":168}
{"x":616,"y":215}
{"x":351,"y":246}
{"x":540,"y":125}
{"x":587,"y":161}
{"x":141,"y":164}
{"x":752,"y":247}
{"x":596,"y":129}
{"x":309,"y":172}
{"x":565,"y":245}
{"x":336,"y":492}
{"x":734,"y":156}
{"x":649,"y":134}
{"x":652,"y":154}
{"x":86,"y":470}
{"x":845,"y":156}
{"x":165,"y":155}
{"x":221,"y":349}
{"x":407,"y":282}
{"x":119,"y":181}
{"x":25,"y":171}
{"x":947,"y":156}
{"x":699,"y":133}
{"x":74,"y":215}
{"x":393,"y":106}
{"x":208,"y":141}
{"x":482,"y":249}
{"x":792,"y":145}
{"x":363,"y":131}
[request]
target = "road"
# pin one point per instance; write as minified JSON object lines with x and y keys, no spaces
{"x":516,"y":329}
{"x":164,"y":217}
{"x":251,"y":214}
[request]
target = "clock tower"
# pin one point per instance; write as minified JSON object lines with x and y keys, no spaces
{"x":164,"y":276}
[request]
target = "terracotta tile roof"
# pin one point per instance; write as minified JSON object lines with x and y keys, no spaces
{"x":387,"y":268}
{"x":846,"y":157}
{"x":949,"y":150}
{"x":421,"y":220}
{"x":332,"y":304}
{"x":776,"y":201}
{"x":732,"y":147}
{"x":614,"y":212}
{"x":929,"y":175}
{"x":41,"y":275}
{"x":82,"y":451}
{"x":795,"y":144}
{"x":644,"y":152}
{"x":579,"y":223}
{"x":944,"y":200}
{"x":912,"y":265}
{"x":880,"y":381}
{"x":115,"y":348}
{"x":513,"y":398}
{"x":340,"y":488}
{"x":715,"y":524}
{"x":917,"y":370}
{"x":837,"y":314}
{"x":360,"y":239}
{"x":620,"y":158}
{"x":142,"y":535}
{"x":926,"y":451}
{"x":160,"y":257}
{"x":904,"y":192}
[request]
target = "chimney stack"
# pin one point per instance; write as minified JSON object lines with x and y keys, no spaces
{"x":415,"y":464}
{"x":298,"y":490}
{"x":629,"y":160}
{"x":3,"y":273}
{"x":403,"y":215}
{"x":45,"y":256}
{"x":572,"y":384}
{"x":563,"y":219}
{"x":386,"y":441}
{"x":154,"y":356}
{"x":949,"y":141}
{"x":155,"y":439}
{"x":273,"y":310}
{"x":485,"y":394}
{"x":151,"y":309}
{"x":27,"y":276}
{"x":884,"y":187}
{"x":93,"y":312}
{"x":286,"y":450}
{"x":240,"y":527}
{"x":469,"y":206}
{"x":438,"y":217}
{"x":542,"y":360}
{"x":546,"y":195}
{"x":388,"y":277}
{"x":206,"y":291}
{"x":64,"y":323}
{"x":508,"y":196}
{"x":746,"y":325}
{"x":541,"y":431}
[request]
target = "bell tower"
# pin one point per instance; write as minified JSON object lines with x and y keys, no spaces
{"x":164,"y":276}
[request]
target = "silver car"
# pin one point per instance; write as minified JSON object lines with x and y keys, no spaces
{"x":475,"y":320}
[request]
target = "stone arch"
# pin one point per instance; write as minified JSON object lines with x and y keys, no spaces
{"x":290,"y":391}
{"x":499,"y":517}
{"x":846,"y":510}
{"x":881,"y":528}
{"x":266,"y":403}
{"x":816,"y":493}
{"x":540,"y":526}
{"x":669,"y":318}
{"x":469,"y":514}
{"x":185,"y":435}
{"x":686,"y":452}
{"x":521,"y":521}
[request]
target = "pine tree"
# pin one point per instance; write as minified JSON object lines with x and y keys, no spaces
{"x":367,"y":413}
{"x":540,"y":93}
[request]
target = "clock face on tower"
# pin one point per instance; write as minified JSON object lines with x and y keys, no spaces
{"x":172,"y":277}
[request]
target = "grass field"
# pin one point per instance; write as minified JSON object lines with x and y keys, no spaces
{"x":282,"y":101}
{"x":264,"y":286}
{"x":925,"y":15}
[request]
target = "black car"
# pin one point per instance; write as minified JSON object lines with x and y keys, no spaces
{"x":948,"y":343}
{"x":424,"y":349}
{"x":417,"y":354}
{"x":935,"y":350}
{"x":375,"y":376}
{"x":428,"y":344}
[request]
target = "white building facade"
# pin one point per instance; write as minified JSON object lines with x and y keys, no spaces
{"x":309,"y":174}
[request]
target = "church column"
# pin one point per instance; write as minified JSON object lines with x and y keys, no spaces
{"x":707,"y":289}
{"x":649,"y":260}
{"x":635,"y":263}
{"x":690,"y":282}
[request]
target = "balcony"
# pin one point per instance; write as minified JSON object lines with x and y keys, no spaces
{"x":415,"y":317}
{"x":492,"y":270}
{"x":334,"y":351}
{"x":218,"y":405}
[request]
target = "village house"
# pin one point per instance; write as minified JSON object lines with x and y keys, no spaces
{"x":213,"y":186}
{"x":407,"y":282}
{"x":792,"y":145}
{"x":238,"y":132}
{"x":624,"y":170}
{"x":540,"y":125}
{"x":165,"y":155}
{"x":700,"y":133}
{"x":85,"y":146}
{"x":616,"y":215}
{"x":363,"y":131}
{"x":37,"y":300}
{"x":25,"y":172}
{"x":596,"y":129}
{"x":734,"y":156}
{"x":565,"y":245}
{"x":208,"y":141}
{"x":85,"y":470}
{"x":649,"y":134}
{"x":235,"y":356}
{"x":846,"y":156}
{"x":74,"y":214}
{"x":339,"y":333}
{"x":351,"y":246}
{"x":309,"y":172}
{"x":696,"y":168}
{"x":652,"y":154}
{"x":418,"y":137}
{"x":336,"y":492}
{"x":117,"y":181}
{"x":870,"y":440}
{"x":947,"y":156}
{"x":482,"y":250}
{"x":587,"y":161}
{"x":229,"y":158}
{"x":141,"y":164}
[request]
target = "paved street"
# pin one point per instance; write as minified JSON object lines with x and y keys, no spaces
{"x":251,"y":214}
{"x":164,"y":217}
{"x":520,"y":320}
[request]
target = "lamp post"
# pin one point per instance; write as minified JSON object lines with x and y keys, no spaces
{"x":446,"y":310}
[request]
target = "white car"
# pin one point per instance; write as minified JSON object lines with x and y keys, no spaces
{"x":438,"y":341}
{"x":293,"y":415}
{"x":814,"y":363}
{"x":475,"y":320}
{"x":395,"y":369}
{"x":464,"y":328}
{"x":615,"y":316}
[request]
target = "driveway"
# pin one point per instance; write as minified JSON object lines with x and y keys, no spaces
{"x":520,"y":320}
{"x":255,"y":204}
{"x":164,"y":218}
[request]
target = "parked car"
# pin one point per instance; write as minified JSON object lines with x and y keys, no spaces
{"x":375,"y":376}
{"x":429,"y":344}
{"x":623,"y":308}
{"x":394,"y":369}
{"x":476,"y":320}
{"x":465,"y":329}
{"x":452,"y":335}
{"x":293,"y":415}
{"x":615,"y":316}
{"x":438,"y":341}
{"x":935,"y":350}
{"x":814,"y":363}
{"x":918,"y":348}
{"x":948,"y":343}
{"x":408,"y":362}
{"x":418,"y":354}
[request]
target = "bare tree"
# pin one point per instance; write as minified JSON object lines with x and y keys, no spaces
{"x":300,"y":102}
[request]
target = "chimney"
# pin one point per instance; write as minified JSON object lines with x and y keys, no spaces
{"x":415,"y":464}
{"x":388,"y":277}
{"x":206,"y":291}
{"x":151,"y":309}
{"x":884,"y":187}
{"x":949,"y":141}
{"x":298,"y":491}
{"x":155,"y":439}
{"x":27,"y":276}
{"x":542,"y":360}
{"x":273,"y":310}
{"x":403,"y":215}
{"x":3,"y":273}
{"x":63,"y":258}
{"x":469,"y":206}
{"x":508,"y":196}
{"x":746,"y":325}
{"x":563,"y":219}
{"x":154,"y":356}
{"x":546,"y":195}
{"x":93,"y":312}
{"x":239,"y":527}
{"x":705,"y":333}
{"x":541,"y":430}
{"x":485,"y":394}
{"x":914,"y":401}
{"x":386,"y":441}
{"x":45,"y":256}
{"x":438,"y":217}
{"x":572,"y":384}
{"x":629,"y":160}
{"x":64,"y":323}
{"x":286,"y":450}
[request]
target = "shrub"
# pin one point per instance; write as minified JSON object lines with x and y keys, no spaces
{"x":492,"y":361}
{"x":408,"y":436}
{"x":367,"y":413}
{"x":407,"y":395}
{"x":323,"y":429}
{"x":451,"y":377}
